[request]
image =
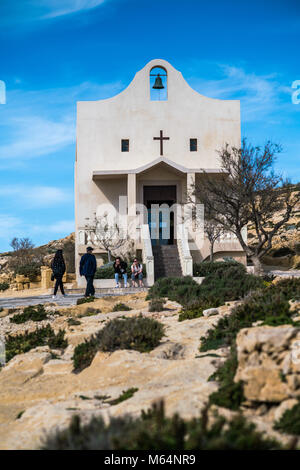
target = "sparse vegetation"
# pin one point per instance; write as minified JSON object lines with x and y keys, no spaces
{"x":30,"y":270}
{"x":34,"y":313}
{"x":206,"y":267}
{"x":290,"y":421}
{"x":138,"y":333}
{"x":86,"y":300}
{"x":154,"y":431}
{"x":22,"y":343}
{"x":226,"y":281}
{"x":270,"y":305}
{"x":125,"y":395}
{"x":4,"y":286}
{"x":120,"y":307}
{"x":230,"y":394}
{"x":73,"y":322}
{"x":156,"y":305}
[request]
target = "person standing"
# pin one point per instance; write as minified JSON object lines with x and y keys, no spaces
{"x":58,"y":267}
{"x":137,"y":273}
{"x":87,"y":268}
{"x":120,"y":268}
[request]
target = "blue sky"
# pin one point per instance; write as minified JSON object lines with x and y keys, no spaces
{"x":56,"y":52}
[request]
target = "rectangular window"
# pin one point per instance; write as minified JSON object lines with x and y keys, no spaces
{"x":125,"y":145}
{"x":193,"y":145}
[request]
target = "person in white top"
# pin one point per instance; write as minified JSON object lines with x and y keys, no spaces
{"x":137,"y":273}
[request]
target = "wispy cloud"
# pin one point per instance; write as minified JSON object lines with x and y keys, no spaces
{"x":28,"y":11}
{"x":66,"y":7}
{"x":37,"y":123}
{"x":260,"y":95}
{"x":35,"y":196}
{"x":35,"y":136}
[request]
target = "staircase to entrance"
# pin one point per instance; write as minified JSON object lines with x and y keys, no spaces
{"x":166,"y":261}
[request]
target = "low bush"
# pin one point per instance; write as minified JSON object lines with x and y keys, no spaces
{"x":206,"y":267}
{"x":290,"y":421}
{"x":31,"y":270}
{"x":24,"y":342}
{"x":125,"y":395}
{"x":84,"y":354}
{"x":230,"y":394}
{"x":228,"y":281}
{"x":138,"y":333}
{"x":179,"y":289}
{"x":156,"y":305}
{"x":73,"y":322}
{"x":269,"y":305}
{"x":108,"y":272}
{"x":154,"y":431}
{"x":34,"y":313}
{"x":120,"y":307}
{"x":85,"y":300}
{"x":4,"y":286}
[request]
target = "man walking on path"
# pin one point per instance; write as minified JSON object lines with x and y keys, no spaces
{"x":88,"y":268}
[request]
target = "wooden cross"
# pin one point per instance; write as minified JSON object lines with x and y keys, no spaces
{"x":161,"y":138}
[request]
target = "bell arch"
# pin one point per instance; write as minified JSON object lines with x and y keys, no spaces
{"x":158,"y":83}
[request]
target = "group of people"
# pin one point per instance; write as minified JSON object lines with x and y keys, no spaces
{"x":88,"y":267}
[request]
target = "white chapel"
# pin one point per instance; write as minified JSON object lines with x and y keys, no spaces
{"x":150,"y":145}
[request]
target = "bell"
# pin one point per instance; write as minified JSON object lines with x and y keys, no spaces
{"x":158,"y":85}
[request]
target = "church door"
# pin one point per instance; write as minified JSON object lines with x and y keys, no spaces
{"x":154,"y":198}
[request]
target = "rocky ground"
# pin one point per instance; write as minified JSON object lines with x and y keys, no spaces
{"x":39,"y":390}
{"x":38,"y":393}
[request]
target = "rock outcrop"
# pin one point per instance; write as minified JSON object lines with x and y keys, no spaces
{"x":269,"y":363}
{"x":39,"y":390}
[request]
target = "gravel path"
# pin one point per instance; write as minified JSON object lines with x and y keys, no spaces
{"x":70,"y":299}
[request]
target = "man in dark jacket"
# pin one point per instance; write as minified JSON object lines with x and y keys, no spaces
{"x":88,"y":268}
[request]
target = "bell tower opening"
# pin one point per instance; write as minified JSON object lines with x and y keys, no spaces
{"x":158,"y":84}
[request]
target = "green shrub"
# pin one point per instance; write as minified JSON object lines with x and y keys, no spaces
{"x":290,"y":421}
{"x":206,"y":267}
{"x":85,"y":300}
{"x":73,"y":322}
{"x":4,"y":286}
{"x":156,"y":305}
{"x":120,"y":307}
{"x":269,"y":305}
{"x":34,"y":313}
{"x":230,"y":394}
{"x":179,"y":289}
{"x":154,"y":431}
{"x":24,"y":342}
{"x":138,"y":333}
{"x":84,"y":354}
{"x":90,"y":312}
{"x":228,"y":281}
{"x":125,"y":395}
{"x":31,"y":270}
{"x":108,"y":272}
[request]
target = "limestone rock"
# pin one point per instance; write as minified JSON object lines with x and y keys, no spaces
{"x":268,"y":363}
{"x":210,"y":311}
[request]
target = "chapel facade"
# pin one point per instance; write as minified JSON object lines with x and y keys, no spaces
{"x":150,"y":145}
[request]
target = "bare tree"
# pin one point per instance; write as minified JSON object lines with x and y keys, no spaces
{"x":107,"y":235}
{"x":22,"y":251}
{"x":213,"y":231}
{"x":248,"y":191}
